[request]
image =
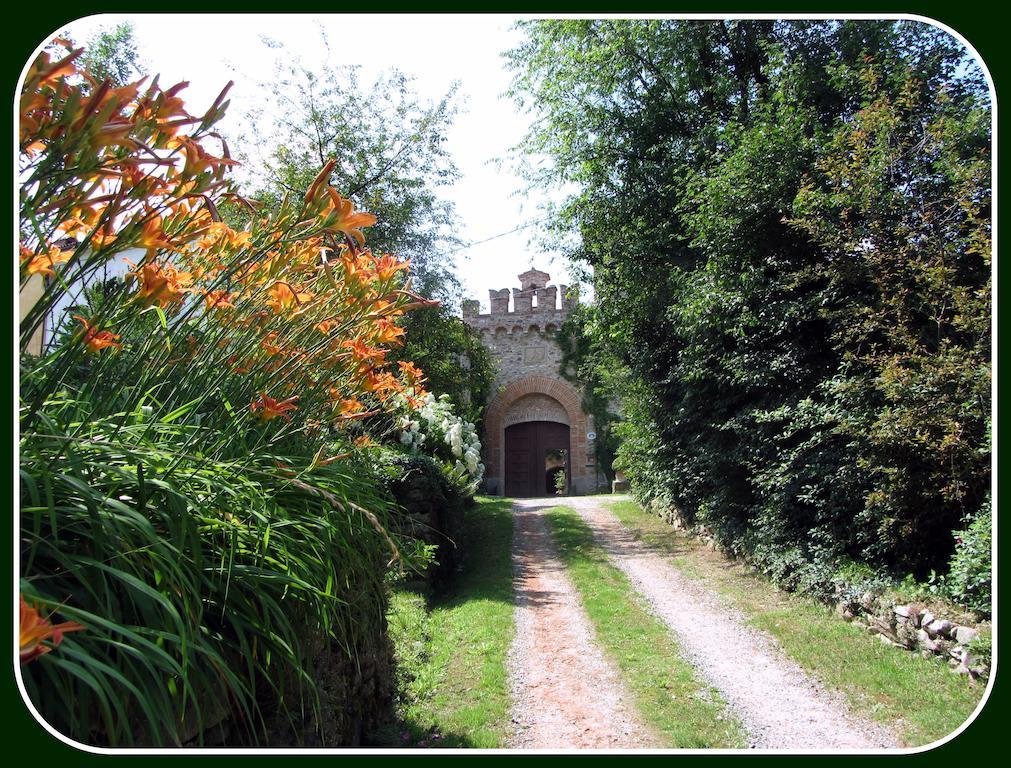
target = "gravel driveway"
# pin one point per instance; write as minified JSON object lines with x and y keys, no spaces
{"x":779,"y":705}
{"x":565,"y":693}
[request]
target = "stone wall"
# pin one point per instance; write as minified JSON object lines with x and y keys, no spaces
{"x":535,"y":406}
{"x":915,"y":627}
{"x":523,"y":350}
{"x":521,"y":337}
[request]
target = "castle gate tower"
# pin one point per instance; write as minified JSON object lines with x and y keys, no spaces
{"x":534,"y":424}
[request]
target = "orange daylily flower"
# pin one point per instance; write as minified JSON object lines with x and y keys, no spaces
{"x":355,"y":272}
{"x":48,"y":72}
{"x":381,"y":383}
{"x":362,"y":351}
{"x":192,"y":345}
{"x":198,"y":159}
{"x":82,"y":219}
{"x":387,"y":266}
{"x":153,"y":237}
{"x":169,"y":105}
{"x":257,"y":318}
{"x":160,"y":284}
{"x":417,"y":400}
{"x":325,"y":326}
{"x":364,"y":442}
{"x":220,"y":233}
{"x":267,"y":408}
{"x":283,"y":297}
{"x":268,"y":345}
{"x":43,"y":263}
{"x":219,"y":300}
{"x":349,"y":407}
{"x":35,"y":630}
{"x":389,"y":332}
{"x":347,"y":220}
{"x":410,"y":371}
{"x":239,"y":239}
{"x":115,"y":134}
{"x":96,"y":340}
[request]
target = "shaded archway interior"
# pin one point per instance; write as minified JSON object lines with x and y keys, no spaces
{"x":531,"y":399}
{"x":535,"y":451}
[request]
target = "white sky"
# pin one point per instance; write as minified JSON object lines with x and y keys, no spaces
{"x":210,"y":50}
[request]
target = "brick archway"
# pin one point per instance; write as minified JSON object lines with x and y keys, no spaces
{"x":494,"y":426}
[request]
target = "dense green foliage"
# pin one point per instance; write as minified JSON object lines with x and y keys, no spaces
{"x":788,"y":228}
{"x":210,"y":590}
{"x":969,"y":580}
{"x":583,"y":364}
{"x":453,"y":358}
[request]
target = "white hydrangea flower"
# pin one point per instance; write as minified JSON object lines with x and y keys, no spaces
{"x":435,"y":424}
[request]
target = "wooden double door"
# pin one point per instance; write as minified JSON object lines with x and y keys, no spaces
{"x":532,"y":457}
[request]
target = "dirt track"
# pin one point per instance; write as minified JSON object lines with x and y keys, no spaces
{"x":568,"y":695}
{"x":565,"y":693}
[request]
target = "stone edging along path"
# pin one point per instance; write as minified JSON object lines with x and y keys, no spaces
{"x":566,"y":694}
{"x":778,"y":704}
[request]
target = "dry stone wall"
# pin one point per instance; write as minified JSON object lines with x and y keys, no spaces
{"x":914,"y":627}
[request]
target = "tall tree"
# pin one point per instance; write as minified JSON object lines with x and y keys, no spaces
{"x":392,"y":160}
{"x":788,"y":227}
{"x":390,"y":148}
{"x":111,"y":54}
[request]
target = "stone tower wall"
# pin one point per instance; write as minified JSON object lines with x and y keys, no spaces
{"x":528,"y":385}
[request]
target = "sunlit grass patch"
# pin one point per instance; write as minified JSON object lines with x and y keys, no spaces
{"x":451,"y":654}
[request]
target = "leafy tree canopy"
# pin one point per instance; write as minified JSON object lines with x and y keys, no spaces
{"x":392,"y":160}
{"x":391,"y":153}
{"x":111,"y":54}
{"x":788,"y":228}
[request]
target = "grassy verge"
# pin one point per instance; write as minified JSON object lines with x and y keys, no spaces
{"x":919,"y":697}
{"x":681,"y":709}
{"x":451,"y":654}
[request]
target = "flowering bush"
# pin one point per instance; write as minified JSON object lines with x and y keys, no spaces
{"x":432,"y":427}
{"x":190,"y":490}
{"x":291,"y":310}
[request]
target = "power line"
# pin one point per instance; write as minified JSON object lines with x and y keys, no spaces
{"x":493,"y":237}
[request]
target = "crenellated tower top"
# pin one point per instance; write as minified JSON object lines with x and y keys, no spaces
{"x":533,"y":279}
{"x":533,"y":299}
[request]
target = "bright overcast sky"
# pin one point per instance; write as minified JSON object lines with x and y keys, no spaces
{"x":210,"y":50}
